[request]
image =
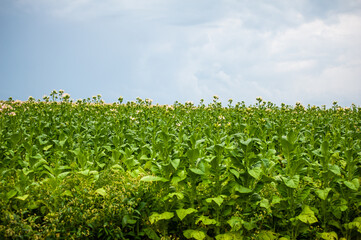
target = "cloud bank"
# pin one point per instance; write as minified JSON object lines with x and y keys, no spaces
{"x":285,"y":51}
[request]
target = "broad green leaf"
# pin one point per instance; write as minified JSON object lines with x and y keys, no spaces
{"x":101,"y":191}
{"x":175,"y":163}
{"x":155,"y":217}
{"x":267,"y":235}
{"x":276,"y":199}
{"x":322,"y":193}
{"x":292,"y":182}
{"x":182,"y":213}
{"x":197,"y":171}
{"x":196,"y":234}
{"x":353,"y":185}
{"x":334,"y":169}
{"x":255,"y":172}
{"x":264,"y":203}
{"x":229,"y":236}
{"x":46,"y":148}
{"x":242,"y":189}
{"x":234,"y":172}
{"x":22,"y":198}
{"x":151,"y":178}
{"x":67,"y":193}
{"x":206,"y":220}
{"x":355,"y":224}
{"x":218,"y":200}
{"x":151,"y":234}
{"x":11,"y":194}
{"x":328,"y":236}
{"x":127,"y":220}
{"x":235,"y":223}
{"x":307,"y":216}
{"x":180,"y":196}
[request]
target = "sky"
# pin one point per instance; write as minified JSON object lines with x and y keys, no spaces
{"x":183,"y":50}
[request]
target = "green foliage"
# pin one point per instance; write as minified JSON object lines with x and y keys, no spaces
{"x":86,"y":169}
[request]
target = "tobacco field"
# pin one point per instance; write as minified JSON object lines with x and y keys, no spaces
{"x":89,"y":170}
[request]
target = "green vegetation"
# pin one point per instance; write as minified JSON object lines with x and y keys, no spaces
{"x":85,"y":169}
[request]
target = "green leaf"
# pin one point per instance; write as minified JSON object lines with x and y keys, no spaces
{"x":235,"y":223}
{"x":155,"y":217}
{"x":354,"y":185}
{"x":267,"y":235}
{"x":198,"y":235}
{"x":229,"y":236}
{"x":23,"y":198}
{"x":180,"y":196}
{"x":151,"y":178}
{"x":322,"y":193}
{"x":328,"y":236}
{"x":151,"y":234}
{"x":234,"y":172}
{"x":264,"y":203}
{"x":292,"y":182}
{"x":206,"y":220}
{"x":218,"y":200}
{"x":11,"y":194}
{"x":67,"y":193}
{"x":241,"y":189}
{"x":307,"y":216}
{"x":182,"y":213}
{"x":46,"y":148}
{"x":175,"y":163}
{"x":255,"y":172}
{"x":197,"y":171}
{"x":101,"y":191}
{"x":334,"y":169}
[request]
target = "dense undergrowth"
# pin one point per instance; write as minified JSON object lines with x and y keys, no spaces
{"x":85,"y":169}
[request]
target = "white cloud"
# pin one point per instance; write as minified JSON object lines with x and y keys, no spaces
{"x":284,"y":51}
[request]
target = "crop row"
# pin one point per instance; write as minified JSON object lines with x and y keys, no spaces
{"x":182,"y":171}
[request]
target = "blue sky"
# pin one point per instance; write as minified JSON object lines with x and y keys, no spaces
{"x":168,"y":50}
